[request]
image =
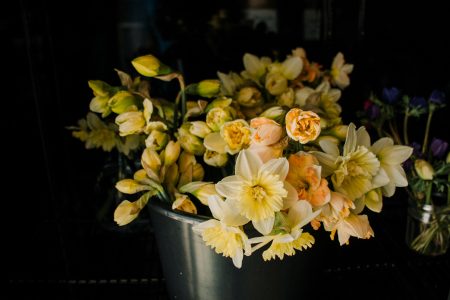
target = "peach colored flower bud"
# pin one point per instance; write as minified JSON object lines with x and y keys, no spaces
{"x":267,"y":131}
{"x":302,"y":126}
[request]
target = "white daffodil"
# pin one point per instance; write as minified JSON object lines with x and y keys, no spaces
{"x":391,"y":158}
{"x":259,"y":189}
{"x":340,"y":71}
{"x":224,"y":233}
{"x":353,"y":172}
{"x":289,"y":235}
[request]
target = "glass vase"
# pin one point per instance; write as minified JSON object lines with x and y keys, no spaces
{"x":428,"y":228}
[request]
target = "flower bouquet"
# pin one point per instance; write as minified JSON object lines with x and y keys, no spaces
{"x":428,"y":169}
{"x":275,"y":136}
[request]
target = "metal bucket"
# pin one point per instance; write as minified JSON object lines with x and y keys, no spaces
{"x":194,"y":271}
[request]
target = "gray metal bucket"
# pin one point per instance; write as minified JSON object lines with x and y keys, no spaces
{"x":194,"y":271}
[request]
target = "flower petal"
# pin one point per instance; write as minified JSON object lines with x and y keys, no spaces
{"x":350,"y":141}
{"x":380,"y":144}
{"x":396,"y":154}
{"x":329,"y":147}
{"x":247,"y":164}
{"x":229,"y":187}
{"x":362,"y":137}
{"x":264,"y":226}
{"x":291,"y":197}
{"x":278,"y":166}
{"x":215,"y":142}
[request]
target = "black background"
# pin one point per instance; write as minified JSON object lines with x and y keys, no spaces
{"x":51,"y":49}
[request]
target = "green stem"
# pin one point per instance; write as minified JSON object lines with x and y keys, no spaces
{"x":405,"y":127}
{"x":394,"y":133}
{"x":429,"y":185}
{"x":427,"y":131}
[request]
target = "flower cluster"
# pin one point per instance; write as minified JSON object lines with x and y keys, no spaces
{"x":275,"y":132}
{"x":428,"y":169}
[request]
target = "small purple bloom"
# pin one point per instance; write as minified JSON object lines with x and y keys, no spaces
{"x":374,"y":112}
{"x":437,"y":97}
{"x":390,"y":95}
{"x":417,"y":149}
{"x":418,"y":102}
{"x":438,"y":147}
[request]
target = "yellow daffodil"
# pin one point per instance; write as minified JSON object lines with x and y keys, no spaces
{"x":249,"y":97}
{"x":224,"y":233}
{"x":258,"y":189}
{"x":214,"y":158}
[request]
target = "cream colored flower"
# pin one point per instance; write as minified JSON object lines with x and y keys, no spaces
{"x":258,"y":189}
{"x":230,"y":82}
{"x":217,"y":116}
{"x":391,"y":158}
{"x":255,"y":67}
{"x":289,"y":235}
{"x":353,"y":172}
{"x":302,"y":126}
{"x":340,"y":71}
{"x":214,"y":158}
{"x":101,"y":135}
{"x":224,"y":233}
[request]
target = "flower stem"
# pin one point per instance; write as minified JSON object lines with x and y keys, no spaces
{"x":427,"y":131}
{"x":394,"y":133}
{"x":429,"y":185}
{"x":405,"y":126}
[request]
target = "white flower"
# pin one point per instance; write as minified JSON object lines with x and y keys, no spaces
{"x":258,"y":189}
{"x":224,"y":233}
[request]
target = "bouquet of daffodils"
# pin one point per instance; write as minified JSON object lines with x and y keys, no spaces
{"x":428,"y":169}
{"x":275,"y":134}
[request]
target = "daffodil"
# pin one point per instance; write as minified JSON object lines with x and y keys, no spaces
{"x":353,"y":171}
{"x":391,"y":158}
{"x":259,"y":189}
{"x":340,"y":71}
{"x":287,"y":235}
{"x":224,"y":233}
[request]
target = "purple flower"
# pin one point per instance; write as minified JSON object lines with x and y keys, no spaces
{"x":390,"y":95}
{"x":417,"y":149}
{"x":437,"y":97}
{"x":418,"y":102}
{"x":438,"y":147}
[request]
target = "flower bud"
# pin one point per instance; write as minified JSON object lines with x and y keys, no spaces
{"x":249,"y":96}
{"x":276,"y":84}
{"x":201,"y":190}
{"x":172,"y":153}
{"x":130,"y":186}
{"x":199,"y":128}
{"x":286,"y":98}
{"x":198,"y":172}
{"x":339,"y":131}
{"x":190,"y":142}
{"x":183,"y":203}
{"x":100,"y":105}
{"x":121,"y":102}
{"x":100,"y":88}
{"x":292,"y":67}
{"x":208,"y":88}
{"x":130,"y":123}
{"x":302,"y":95}
{"x":221,"y":102}
{"x":217,"y":116}
{"x":276,"y":113}
{"x":424,"y":169}
{"x":438,"y":147}
{"x":150,"y":66}
{"x":253,"y":65}
{"x":215,"y":159}
{"x":156,"y":140}
{"x":126,"y":212}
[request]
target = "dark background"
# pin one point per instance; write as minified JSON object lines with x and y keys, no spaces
{"x":58,"y":245}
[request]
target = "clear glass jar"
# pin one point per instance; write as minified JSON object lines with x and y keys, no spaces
{"x":428,"y":228}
